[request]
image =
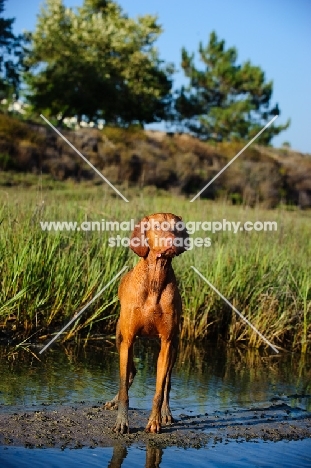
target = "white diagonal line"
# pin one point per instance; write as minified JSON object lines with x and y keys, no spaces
{"x":82,"y":310}
{"x":84,"y":158}
{"x":233,"y":159}
{"x":236,"y":310}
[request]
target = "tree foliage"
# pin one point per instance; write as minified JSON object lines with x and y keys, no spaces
{"x":98,"y":63}
{"x":225,"y":101}
{"x":10,"y":52}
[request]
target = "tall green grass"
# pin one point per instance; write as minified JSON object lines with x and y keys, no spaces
{"x":47,"y":277}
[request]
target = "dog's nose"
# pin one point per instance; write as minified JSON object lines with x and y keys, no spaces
{"x":169,"y":241}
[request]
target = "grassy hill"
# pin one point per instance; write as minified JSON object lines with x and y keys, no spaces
{"x":135,"y":157}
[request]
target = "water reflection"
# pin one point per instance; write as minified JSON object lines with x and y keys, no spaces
{"x":285,"y":453}
{"x":205,"y":378}
{"x":153,"y":456}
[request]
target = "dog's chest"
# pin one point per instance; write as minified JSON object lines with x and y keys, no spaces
{"x":154,"y":320}
{"x":156,"y":316}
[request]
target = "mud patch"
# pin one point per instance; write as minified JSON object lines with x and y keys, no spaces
{"x":91,"y":426}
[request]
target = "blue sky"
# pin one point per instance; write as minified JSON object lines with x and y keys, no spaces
{"x":274,"y":34}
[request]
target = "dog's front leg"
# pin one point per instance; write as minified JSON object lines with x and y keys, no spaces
{"x":166,"y":414}
{"x":164,"y":359}
{"x":126,"y":357}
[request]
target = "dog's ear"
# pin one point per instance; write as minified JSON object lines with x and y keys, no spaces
{"x":182,"y":236}
{"x":139,"y":241}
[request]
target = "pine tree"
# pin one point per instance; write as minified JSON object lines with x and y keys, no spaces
{"x":10,"y":53}
{"x":225,"y":101}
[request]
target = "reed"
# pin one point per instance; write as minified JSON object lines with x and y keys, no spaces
{"x":47,"y":277}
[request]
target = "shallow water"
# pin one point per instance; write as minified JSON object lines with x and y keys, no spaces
{"x":251,"y":454}
{"x":205,"y":380}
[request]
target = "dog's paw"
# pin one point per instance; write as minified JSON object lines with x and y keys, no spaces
{"x":167,"y":419}
{"x":111,"y":405}
{"x":166,"y":416}
{"x":153,"y":426}
{"x":122,"y":426}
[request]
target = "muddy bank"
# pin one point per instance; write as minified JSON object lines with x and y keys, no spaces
{"x":90,"y":426}
{"x":153,"y":159}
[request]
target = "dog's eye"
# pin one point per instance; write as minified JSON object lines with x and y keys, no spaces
{"x":157,"y":226}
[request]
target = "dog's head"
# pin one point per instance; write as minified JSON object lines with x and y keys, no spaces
{"x":163,"y":233}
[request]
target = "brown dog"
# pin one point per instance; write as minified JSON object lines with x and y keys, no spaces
{"x":150,"y":306}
